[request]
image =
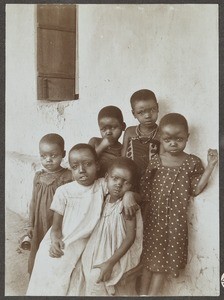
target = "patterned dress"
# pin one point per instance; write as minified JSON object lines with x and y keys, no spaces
{"x":142,"y":149}
{"x":41,"y":217}
{"x":168,"y":190}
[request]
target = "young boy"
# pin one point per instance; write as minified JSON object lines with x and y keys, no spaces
{"x":140,"y":142}
{"x":111,"y":124}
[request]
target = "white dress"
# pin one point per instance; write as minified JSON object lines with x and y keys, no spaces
{"x":81,"y":208}
{"x":107,"y":236}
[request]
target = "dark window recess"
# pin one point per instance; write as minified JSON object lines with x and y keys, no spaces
{"x":56,"y":52}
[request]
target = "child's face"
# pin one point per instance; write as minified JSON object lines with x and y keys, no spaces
{"x":111,"y":128}
{"x":84,"y":166}
{"x":51,"y":156}
{"x":118,"y":182}
{"x":146,"y":112}
{"x":174,"y":138}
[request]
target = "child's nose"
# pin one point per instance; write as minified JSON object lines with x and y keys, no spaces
{"x":81,"y":168}
{"x":48,"y":158}
{"x":108,"y":132}
{"x":173,"y":143}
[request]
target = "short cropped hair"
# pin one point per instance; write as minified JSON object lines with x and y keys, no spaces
{"x":84,"y":146}
{"x":112,"y":112}
{"x":126,"y":163}
{"x":140,"y":95}
{"x":173,"y":119}
{"x":53,"y":138}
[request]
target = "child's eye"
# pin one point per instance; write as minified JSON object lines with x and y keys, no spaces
{"x":166,"y":140}
{"x":74,"y":167}
{"x":87,"y":164}
{"x":53,"y":156}
{"x":154,"y":109}
{"x":180,"y":139}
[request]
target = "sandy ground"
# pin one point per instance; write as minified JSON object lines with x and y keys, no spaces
{"x":16,"y":275}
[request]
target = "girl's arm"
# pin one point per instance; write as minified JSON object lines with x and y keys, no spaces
{"x":130,"y":203}
{"x":100,"y":146}
{"x":107,"y":266}
{"x":32,"y":210}
{"x":56,"y":236}
{"x":212,"y":158}
{"x":125,"y":142}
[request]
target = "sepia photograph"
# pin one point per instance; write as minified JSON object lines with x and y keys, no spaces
{"x":112,"y":150}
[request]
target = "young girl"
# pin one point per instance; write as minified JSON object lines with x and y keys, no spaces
{"x":77,"y":208}
{"x":115,"y":245}
{"x":111,"y":124}
{"x":141,"y":142}
{"x":46,"y":181}
{"x":170,"y":179}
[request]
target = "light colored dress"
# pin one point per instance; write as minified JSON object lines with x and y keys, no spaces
{"x":81,"y":208}
{"x":106,"y":238}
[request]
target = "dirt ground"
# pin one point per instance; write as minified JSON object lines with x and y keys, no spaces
{"x":16,"y":275}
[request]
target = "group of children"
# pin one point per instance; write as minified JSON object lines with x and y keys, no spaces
{"x":89,"y":237}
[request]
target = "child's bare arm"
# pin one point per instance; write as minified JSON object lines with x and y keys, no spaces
{"x":130,"y":202}
{"x":56,"y":236}
{"x":100,"y":144}
{"x":107,"y":266}
{"x":32,"y":211}
{"x":212,"y":158}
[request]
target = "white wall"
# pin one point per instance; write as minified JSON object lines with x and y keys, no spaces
{"x":171,"y":49}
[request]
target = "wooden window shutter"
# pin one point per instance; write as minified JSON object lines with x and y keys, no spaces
{"x":56,"y":52}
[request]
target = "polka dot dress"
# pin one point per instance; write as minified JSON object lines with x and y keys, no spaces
{"x":168,"y":190}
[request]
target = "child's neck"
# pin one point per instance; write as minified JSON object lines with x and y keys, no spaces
{"x":172,"y":160}
{"x":113,"y":199}
{"x":146,"y":129}
{"x":56,"y":171}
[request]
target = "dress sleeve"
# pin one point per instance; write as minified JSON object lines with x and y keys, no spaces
{"x":59,"y":201}
{"x":33,"y":201}
{"x":195,"y":175}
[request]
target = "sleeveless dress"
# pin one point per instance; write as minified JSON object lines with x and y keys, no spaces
{"x":41,"y":217}
{"x":168,"y":190}
{"x":108,"y":236}
{"x":142,"y":149}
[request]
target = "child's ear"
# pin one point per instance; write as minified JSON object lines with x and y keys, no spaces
{"x":97,"y":166}
{"x":64,"y":153}
{"x":124,"y":126}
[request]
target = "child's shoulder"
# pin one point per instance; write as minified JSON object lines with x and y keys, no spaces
{"x":95,"y":141}
{"x":194,"y":159}
{"x":131,"y":131}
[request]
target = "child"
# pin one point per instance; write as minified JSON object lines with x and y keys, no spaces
{"x":77,"y":208}
{"x":141,"y":142}
{"x":170,"y":179}
{"x":45,"y":183}
{"x":111,"y":124}
{"x":115,"y":245}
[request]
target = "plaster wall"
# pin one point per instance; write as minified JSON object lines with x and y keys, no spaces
{"x":170,"y":49}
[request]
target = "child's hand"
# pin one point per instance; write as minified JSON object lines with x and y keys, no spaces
{"x":107,"y":141}
{"x":212,"y":157}
{"x":30,"y":232}
{"x":130,"y":205}
{"x":106,"y":269}
{"x":56,"y":248}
